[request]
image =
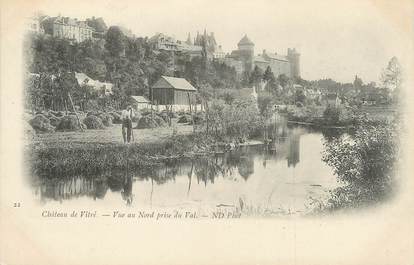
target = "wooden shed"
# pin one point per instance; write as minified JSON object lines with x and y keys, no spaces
{"x":140,"y":102}
{"x":173,"y":91}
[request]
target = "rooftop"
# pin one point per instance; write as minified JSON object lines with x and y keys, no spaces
{"x":173,"y":82}
{"x":245,"y":41}
{"x":140,"y":99}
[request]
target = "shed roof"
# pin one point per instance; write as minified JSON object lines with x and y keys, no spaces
{"x":140,"y":99}
{"x":173,"y":82}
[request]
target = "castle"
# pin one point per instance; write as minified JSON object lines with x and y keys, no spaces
{"x":243,"y":59}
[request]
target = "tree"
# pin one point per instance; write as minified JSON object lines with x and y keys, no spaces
{"x":365,"y":165}
{"x":283,"y":80}
{"x":300,"y":96}
{"x":391,"y":77}
{"x":268,"y":75}
{"x":115,"y":41}
{"x":358,"y":84}
{"x":256,"y":76}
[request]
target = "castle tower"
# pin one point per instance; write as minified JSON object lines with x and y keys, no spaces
{"x":246,"y":52}
{"x":246,"y":44}
{"x":294,"y":60}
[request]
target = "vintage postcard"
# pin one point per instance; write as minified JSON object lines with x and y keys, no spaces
{"x":206,"y":132}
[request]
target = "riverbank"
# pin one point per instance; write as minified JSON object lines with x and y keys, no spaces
{"x":320,"y":126}
{"x":95,"y":151}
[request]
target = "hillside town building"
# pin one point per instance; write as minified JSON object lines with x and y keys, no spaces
{"x":202,"y":44}
{"x":33,"y":25}
{"x":67,"y":28}
{"x":105,"y":88}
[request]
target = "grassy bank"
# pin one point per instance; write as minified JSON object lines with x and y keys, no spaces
{"x":68,"y":159}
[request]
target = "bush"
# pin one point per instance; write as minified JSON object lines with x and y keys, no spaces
{"x":199,"y":117}
{"x":150,"y":122}
{"x":69,"y":123}
{"x":331,"y":115}
{"x":106,"y":119}
{"x":41,"y":124}
{"x":93,"y":122}
{"x":366,"y":165}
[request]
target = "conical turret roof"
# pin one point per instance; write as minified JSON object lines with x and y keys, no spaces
{"x":245,"y":41}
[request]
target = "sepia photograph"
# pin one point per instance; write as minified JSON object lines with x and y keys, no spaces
{"x":207,"y":111}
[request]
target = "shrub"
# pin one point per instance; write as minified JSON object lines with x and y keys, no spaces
{"x":41,"y":124}
{"x":366,"y":165}
{"x":93,"y":122}
{"x":199,"y":117}
{"x":69,"y":123}
{"x":331,"y":115}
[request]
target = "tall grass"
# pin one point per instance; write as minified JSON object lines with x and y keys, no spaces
{"x":91,"y":158}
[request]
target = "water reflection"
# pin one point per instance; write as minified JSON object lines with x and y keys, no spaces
{"x":281,"y":175}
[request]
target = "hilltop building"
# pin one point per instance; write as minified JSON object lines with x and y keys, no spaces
{"x":33,"y":25}
{"x":67,"y":28}
{"x":280,"y":64}
{"x":202,"y":44}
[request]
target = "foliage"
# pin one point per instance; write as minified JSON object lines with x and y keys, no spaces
{"x":265,"y":104}
{"x":331,"y":114}
{"x":115,"y":41}
{"x":256,"y":76}
{"x":237,"y":120}
{"x":391,"y":78}
{"x":365,"y":164}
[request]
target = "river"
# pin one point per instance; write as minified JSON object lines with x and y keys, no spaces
{"x":287,"y":176}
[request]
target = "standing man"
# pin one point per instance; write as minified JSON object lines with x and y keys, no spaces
{"x":126,"y":117}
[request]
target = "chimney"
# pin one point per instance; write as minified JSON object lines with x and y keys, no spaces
{"x":264,"y":52}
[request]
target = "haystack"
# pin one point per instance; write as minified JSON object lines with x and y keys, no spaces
{"x":41,"y":124}
{"x":184,"y":118}
{"x":116,"y":117}
{"x":150,"y":121}
{"x":106,"y":119}
{"x":93,"y":122}
{"x":69,"y":123}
